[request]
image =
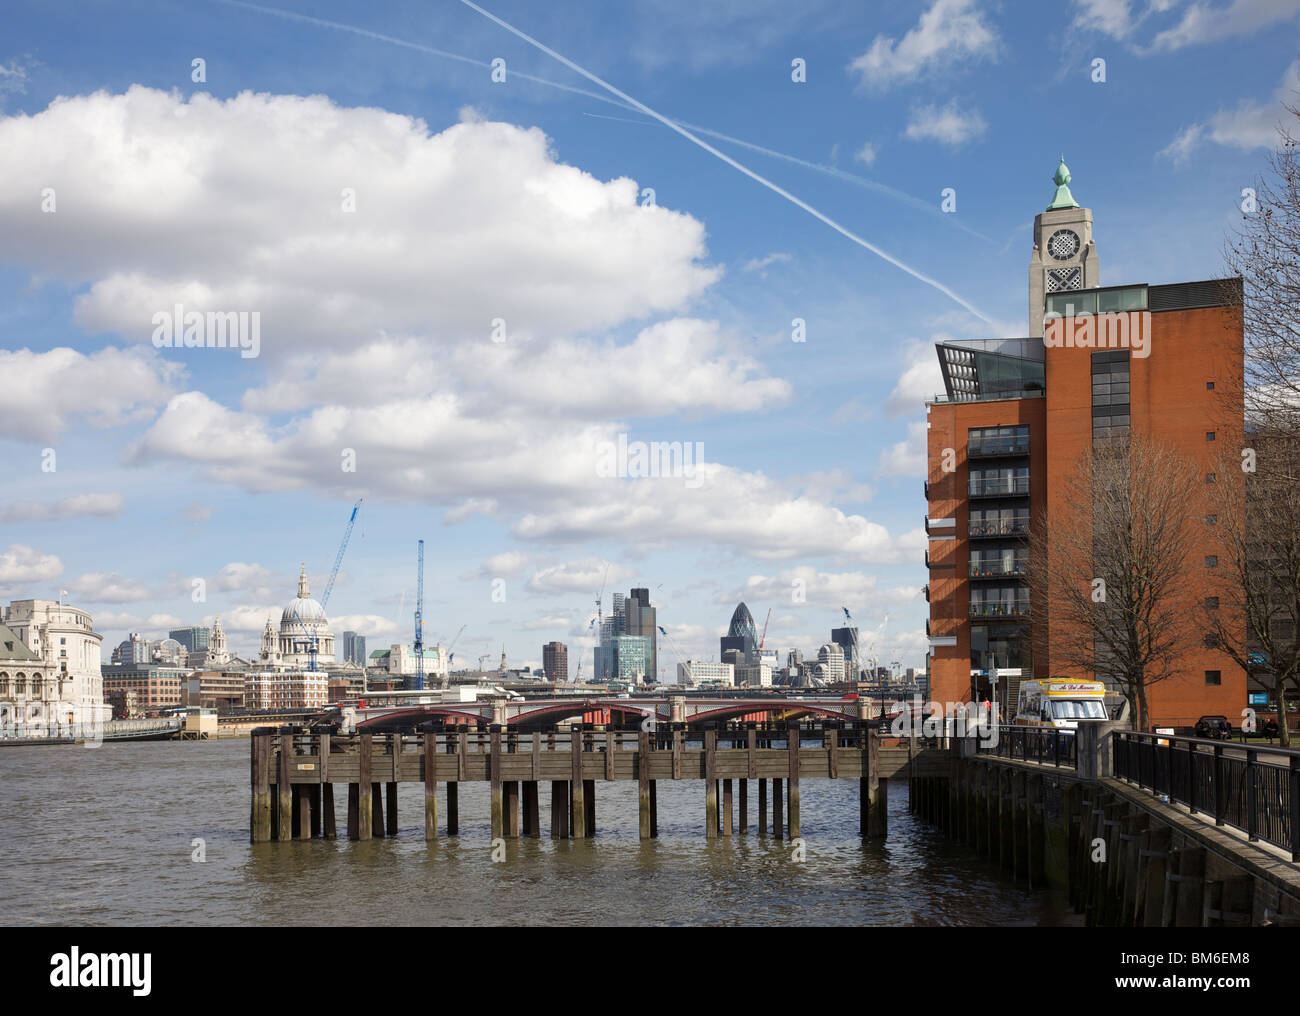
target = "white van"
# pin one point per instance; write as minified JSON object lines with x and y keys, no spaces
{"x":1060,"y":702}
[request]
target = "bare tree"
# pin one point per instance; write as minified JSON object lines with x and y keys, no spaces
{"x":1261,"y":539}
{"x":1264,"y":252}
{"x":1115,"y":585}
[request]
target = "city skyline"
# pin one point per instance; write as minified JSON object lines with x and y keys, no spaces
{"x":672,"y":311}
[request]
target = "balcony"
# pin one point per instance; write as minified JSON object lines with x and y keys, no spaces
{"x":1001,"y":610}
{"x":999,"y":569}
{"x":941,"y":631}
{"x":996,"y":447}
{"x":982,"y":528}
{"x":946,"y":527}
{"x":998,"y":486}
{"x":926,"y":589}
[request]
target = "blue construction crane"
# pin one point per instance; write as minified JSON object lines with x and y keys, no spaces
{"x":418,"y":682}
{"x":314,"y":647}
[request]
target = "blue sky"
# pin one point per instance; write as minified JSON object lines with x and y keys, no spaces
{"x":525,"y":200}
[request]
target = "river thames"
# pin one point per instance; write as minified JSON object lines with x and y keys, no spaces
{"x":105,"y":836}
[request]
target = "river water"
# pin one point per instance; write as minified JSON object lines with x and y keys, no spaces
{"x":104,"y":836}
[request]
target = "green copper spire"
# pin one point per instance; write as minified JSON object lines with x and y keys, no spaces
{"x":1063,"y":199}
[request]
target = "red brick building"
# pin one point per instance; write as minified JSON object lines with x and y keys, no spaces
{"x":1018,"y":414}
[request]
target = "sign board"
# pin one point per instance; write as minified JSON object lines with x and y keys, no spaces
{"x":1257,"y":698}
{"x":1165,"y":730}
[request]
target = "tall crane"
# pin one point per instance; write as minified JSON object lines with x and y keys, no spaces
{"x":763,"y":638}
{"x":418,"y":646}
{"x":313,"y":648}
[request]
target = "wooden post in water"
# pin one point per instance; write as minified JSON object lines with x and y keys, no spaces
{"x":354,"y":811}
{"x":395,"y":748}
{"x":284,"y":790}
{"x":532,"y":821}
{"x":259,"y":823}
{"x":792,"y":791}
{"x":510,"y":802}
{"x":302,"y":830}
{"x":430,"y":786}
{"x":578,"y":809}
{"x":326,"y":791}
{"x":710,"y":784}
{"x":643,"y":782}
{"x":762,"y":806}
{"x":365,"y":797}
{"x":559,"y":810}
{"x":726,"y":808}
{"x":453,"y":809}
{"x":377,"y":825}
{"x":877,"y":788}
{"x":654,"y":808}
{"x":589,"y":803}
{"x":778,"y":823}
{"x":498,"y":792}
{"x":744,"y":807}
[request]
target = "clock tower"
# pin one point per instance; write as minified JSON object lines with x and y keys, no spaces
{"x":1064,"y":257}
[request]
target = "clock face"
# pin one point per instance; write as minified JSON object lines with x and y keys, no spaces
{"x":1063,"y":245}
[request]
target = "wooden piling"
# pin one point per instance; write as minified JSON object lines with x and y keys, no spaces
{"x":453,"y":809}
{"x":792,"y":787}
{"x":531,"y":818}
{"x":430,"y":787}
{"x":1154,"y":855}
{"x":726,"y":808}
{"x":559,"y":810}
{"x":643,"y":783}
{"x":303,"y":824}
{"x":329,"y":829}
{"x":744,"y":807}
{"x":778,"y":824}
{"x":710,"y":784}
{"x":877,"y":789}
{"x":510,"y":805}
{"x":259,"y":822}
{"x":762,"y":806}
{"x":323,"y":807}
{"x":284,"y":790}
{"x":354,"y":811}
{"x":498,"y":792}
{"x":364,"y":758}
{"x":577,"y":807}
{"x":589,"y":805}
{"x":1185,"y":900}
{"x":377,"y":825}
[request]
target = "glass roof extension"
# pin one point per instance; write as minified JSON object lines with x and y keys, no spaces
{"x":976,"y":369}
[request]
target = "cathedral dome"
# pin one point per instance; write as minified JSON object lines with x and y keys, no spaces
{"x":303,"y":606}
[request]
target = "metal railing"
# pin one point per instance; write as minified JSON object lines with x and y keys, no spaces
{"x":1026,"y":393}
{"x":1232,"y":784}
{"x":994,"y":569}
{"x":991,"y":486}
{"x":1000,"y":608}
{"x":988,"y":446}
{"x":998,"y":527}
{"x":1032,"y":744}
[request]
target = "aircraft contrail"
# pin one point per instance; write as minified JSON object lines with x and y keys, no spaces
{"x":798,"y":202}
{"x":681,"y":128}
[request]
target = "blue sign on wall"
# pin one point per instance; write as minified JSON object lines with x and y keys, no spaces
{"x":1257,"y":698}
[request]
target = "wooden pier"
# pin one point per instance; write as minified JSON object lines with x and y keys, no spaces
{"x":294,"y":773}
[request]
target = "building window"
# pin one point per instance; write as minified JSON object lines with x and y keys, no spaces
{"x":1211,"y":603}
{"x":1209,"y":435}
{"x":1214,"y":677}
{"x":1211,"y":519}
{"x":1210,"y":478}
{"x":1209,"y":386}
{"x":1211,"y":560}
{"x":1211,"y":641}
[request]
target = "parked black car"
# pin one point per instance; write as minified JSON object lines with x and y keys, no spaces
{"x":1216,"y":728}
